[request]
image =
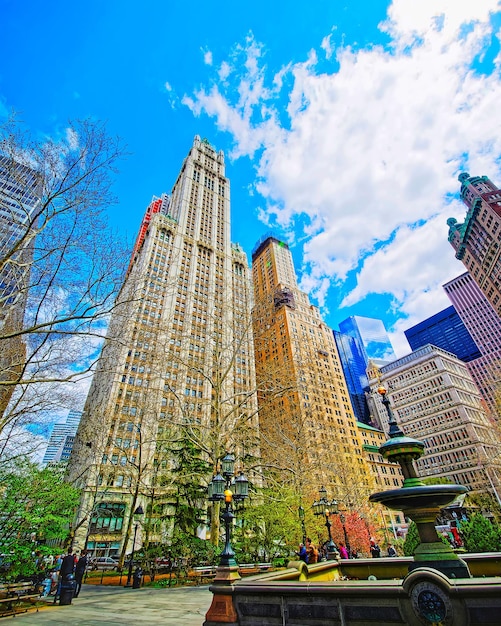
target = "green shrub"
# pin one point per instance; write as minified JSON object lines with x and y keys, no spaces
{"x":480,"y":535}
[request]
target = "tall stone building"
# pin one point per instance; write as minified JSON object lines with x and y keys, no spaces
{"x":19,"y":201}
{"x":435,"y":400}
{"x":177,"y":367}
{"x":477,"y":240}
{"x":484,"y":325}
{"x":309,"y":433}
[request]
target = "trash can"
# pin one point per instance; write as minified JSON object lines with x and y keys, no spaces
{"x":137,"y":578}
{"x":67,"y":590}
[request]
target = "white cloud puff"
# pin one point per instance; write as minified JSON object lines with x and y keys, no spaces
{"x":207,"y":57}
{"x":368,"y":155}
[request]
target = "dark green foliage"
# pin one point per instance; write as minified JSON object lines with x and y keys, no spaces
{"x":190,"y":471}
{"x":36,"y":506}
{"x":481,"y":535}
{"x":192,"y":550}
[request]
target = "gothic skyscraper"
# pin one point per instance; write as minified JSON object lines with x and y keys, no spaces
{"x":477,"y":241}
{"x":175,"y":381}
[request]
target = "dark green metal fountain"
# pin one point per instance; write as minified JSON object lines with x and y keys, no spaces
{"x":420,"y":502}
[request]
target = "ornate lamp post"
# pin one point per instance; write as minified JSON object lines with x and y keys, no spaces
{"x":219,"y":490}
{"x":137,"y":516}
{"x":346,"y":540}
{"x":300,"y":513}
{"x":322,"y":506}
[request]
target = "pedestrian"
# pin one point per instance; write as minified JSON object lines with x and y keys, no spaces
{"x":312,"y":552}
{"x":302,"y":554}
{"x":343,"y":552}
{"x":48,"y":561}
{"x":80,"y":568}
{"x":67,"y":569}
{"x":59,"y":560}
{"x":47,"y":584}
{"x":391,"y":550}
{"x":54,"y":577}
{"x":375,"y":550}
{"x":354,"y":553}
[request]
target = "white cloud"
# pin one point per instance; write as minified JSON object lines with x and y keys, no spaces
{"x":168,"y":86}
{"x":72,"y":138}
{"x":207,"y":57}
{"x":224,"y":70}
{"x":326,"y":45}
{"x":370,"y":154}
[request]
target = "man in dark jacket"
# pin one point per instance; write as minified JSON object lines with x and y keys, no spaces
{"x":80,"y":571}
{"x":67,"y":567}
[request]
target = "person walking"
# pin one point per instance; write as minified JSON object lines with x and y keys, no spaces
{"x":67,"y":568}
{"x":302,"y":554}
{"x":312,"y":552}
{"x":391,"y":550}
{"x":80,"y":568}
{"x":375,"y":550}
{"x":343,"y":552}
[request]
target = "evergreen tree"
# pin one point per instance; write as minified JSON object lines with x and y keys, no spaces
{"x":480,"y":535}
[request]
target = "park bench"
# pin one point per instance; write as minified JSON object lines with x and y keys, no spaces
{"x":199,"y":574}
{"x":248,"y":569}
{"x":14,"y":595}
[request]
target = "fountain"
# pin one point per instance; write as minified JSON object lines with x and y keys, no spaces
{"x":420,"y":502}
{"x":433,"y":587}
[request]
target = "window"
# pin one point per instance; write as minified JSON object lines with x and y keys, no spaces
{"x":108,"y":517}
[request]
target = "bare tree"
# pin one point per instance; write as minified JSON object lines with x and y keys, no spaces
{"x":61,"y":267}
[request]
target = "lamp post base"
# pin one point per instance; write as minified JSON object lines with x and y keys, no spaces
{"x":222,"y":611}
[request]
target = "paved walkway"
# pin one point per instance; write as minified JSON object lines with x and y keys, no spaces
{"x":112,"y":606}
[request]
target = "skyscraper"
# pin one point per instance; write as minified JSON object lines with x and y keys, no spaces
{"x":307,"y":425}
{"x":177,"y":368}
{"x":477,"y":240}
{"x":62,"y":435}
{"x":19,"y":199}
{"x":354,"y":369}
{"x":371,"y":336}
{"x":446,"y":330}
{"x":484,"y":325}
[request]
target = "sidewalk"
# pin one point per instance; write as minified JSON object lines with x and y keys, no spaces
{"x":111,"y":606}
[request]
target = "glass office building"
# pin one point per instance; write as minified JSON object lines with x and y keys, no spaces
{"x":447,"y":331}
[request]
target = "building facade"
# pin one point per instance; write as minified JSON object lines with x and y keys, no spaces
{"x":477,"y":241}
{"x":484,"y":325}
{"x":177,"y":368}
{"x":62,"y":438}
{"x":19,"y":200}
{"x":353,"y":363}
{"x":435,"y":400}
{"x":371,"y":335}
{"x":309,"y":433}
{"x":446,"y":330}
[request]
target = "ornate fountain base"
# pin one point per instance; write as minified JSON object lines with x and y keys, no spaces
{"x":422,"y":504}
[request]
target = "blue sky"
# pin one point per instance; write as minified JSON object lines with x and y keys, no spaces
{"x":345,"y":124}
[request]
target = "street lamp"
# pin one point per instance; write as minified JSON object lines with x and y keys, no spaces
{"x":300,"y":513}
{"x":322,"y":506}
{"x":219,"y":489}
{"x":137,"y":516}
{"x":342,"y":518}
